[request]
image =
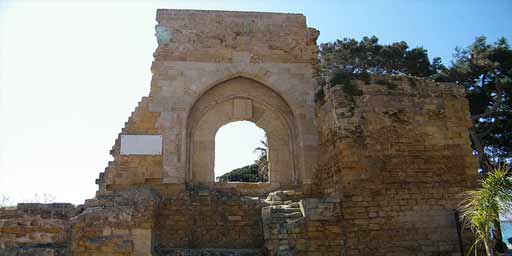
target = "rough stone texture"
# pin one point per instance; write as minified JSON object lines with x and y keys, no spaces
{"x":294,"y":225}
{"x":118,"y":224}
{"x":225,"y":37}
{"x":371,"y":169}
{"x":32,"y":251}
{"x":127,"y":170}
{"x":35,"y":229}
{"x":201,"y":217}
{"x":211,"y":252}
{"x":398,"y":157}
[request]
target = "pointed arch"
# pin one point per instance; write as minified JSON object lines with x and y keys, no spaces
{"x":241,"y":98}
{"x":244,"y":75}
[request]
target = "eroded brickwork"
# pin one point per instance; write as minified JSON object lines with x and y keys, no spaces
{"x":398,"y":157}
{"x":118,"y":224}
{"x":373,"y":168}
{"x":213,"y":36}
{"x":133,"y":169}
{"x":201,"y":217}
{"x":25,"y":227}
{"x":296,"y":225}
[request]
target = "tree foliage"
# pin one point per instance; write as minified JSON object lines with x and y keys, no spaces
{"x":257,"y":172}
{"x":262,"y":161}
{"x":247,"y":173}
{"x":367,"y":55}
{"x":485,"y":71}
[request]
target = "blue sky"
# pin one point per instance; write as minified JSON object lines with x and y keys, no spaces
{"x":71,"y":72}
{"x":437,"y":25}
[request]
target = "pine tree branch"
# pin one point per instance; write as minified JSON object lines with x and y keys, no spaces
{"x":479,"y":147}
{"x":495,"y":107}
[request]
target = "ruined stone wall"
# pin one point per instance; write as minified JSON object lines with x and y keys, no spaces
{"x":199,"y":50}
{"x":126,"y":170}
{"x":395,"y":157}
{"x":119,"y":224}
{"x":35,"y":229}
{"x":396,"y":152}
{"x":221,"y":36}
{"x":201,"y":217}
{"x":295,"y":225}
{"x":377,"y":169}
{"x":171,"y":220}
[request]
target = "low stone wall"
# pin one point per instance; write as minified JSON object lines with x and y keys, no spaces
{"x":202,"y":217}
{"x":118,"y":224}
{"x":167,"y":220}
{"x":396,"y":152}
{"x":395,"y":158}
{"x":35,"y":229}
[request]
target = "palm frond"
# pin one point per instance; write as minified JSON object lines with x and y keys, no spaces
{"x":481,"y":208}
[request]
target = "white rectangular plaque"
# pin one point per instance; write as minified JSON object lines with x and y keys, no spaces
{"x":141,"y":144}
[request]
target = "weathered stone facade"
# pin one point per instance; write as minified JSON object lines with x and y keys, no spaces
{"x":398,"y":157}
{"x":24,"y":228}
{"x":375,"y":168}
{"x":261,"y":62}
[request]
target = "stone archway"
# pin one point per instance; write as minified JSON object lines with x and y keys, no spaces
{"x":235,"y":100}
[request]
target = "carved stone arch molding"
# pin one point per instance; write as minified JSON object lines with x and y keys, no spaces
{"x":240,"y":99}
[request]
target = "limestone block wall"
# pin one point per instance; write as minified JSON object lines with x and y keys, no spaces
{"x":35,"y":229}
{"x":309,"y":226}
{"x":119,"y":224}
{"x":201,"y":49}
{"x":137,"y":222}
{"x":127,"y":170}
{"x":372,"y":168}
{"x":201,"y":217}
{"x":221,"y":36}
{"x":396,"y":152}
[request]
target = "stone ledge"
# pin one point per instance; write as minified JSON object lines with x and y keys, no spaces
{"x":167,"y":12}
{"x":210,"y":252}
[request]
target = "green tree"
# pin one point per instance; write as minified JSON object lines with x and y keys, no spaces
{"x":416,"y":63}
{"x":262,"y":161}
{"x":482,"y":207}
{"x":257,"y":172}
{"x":485,"y":70}
{"x":247,"y":173}
{"x":367,"y":55}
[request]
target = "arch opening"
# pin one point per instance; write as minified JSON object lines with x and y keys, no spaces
{"x":242,"y":99}
{"x":241,"y":153}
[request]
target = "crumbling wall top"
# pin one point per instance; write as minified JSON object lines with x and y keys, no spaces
{"x":226,"y":36}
